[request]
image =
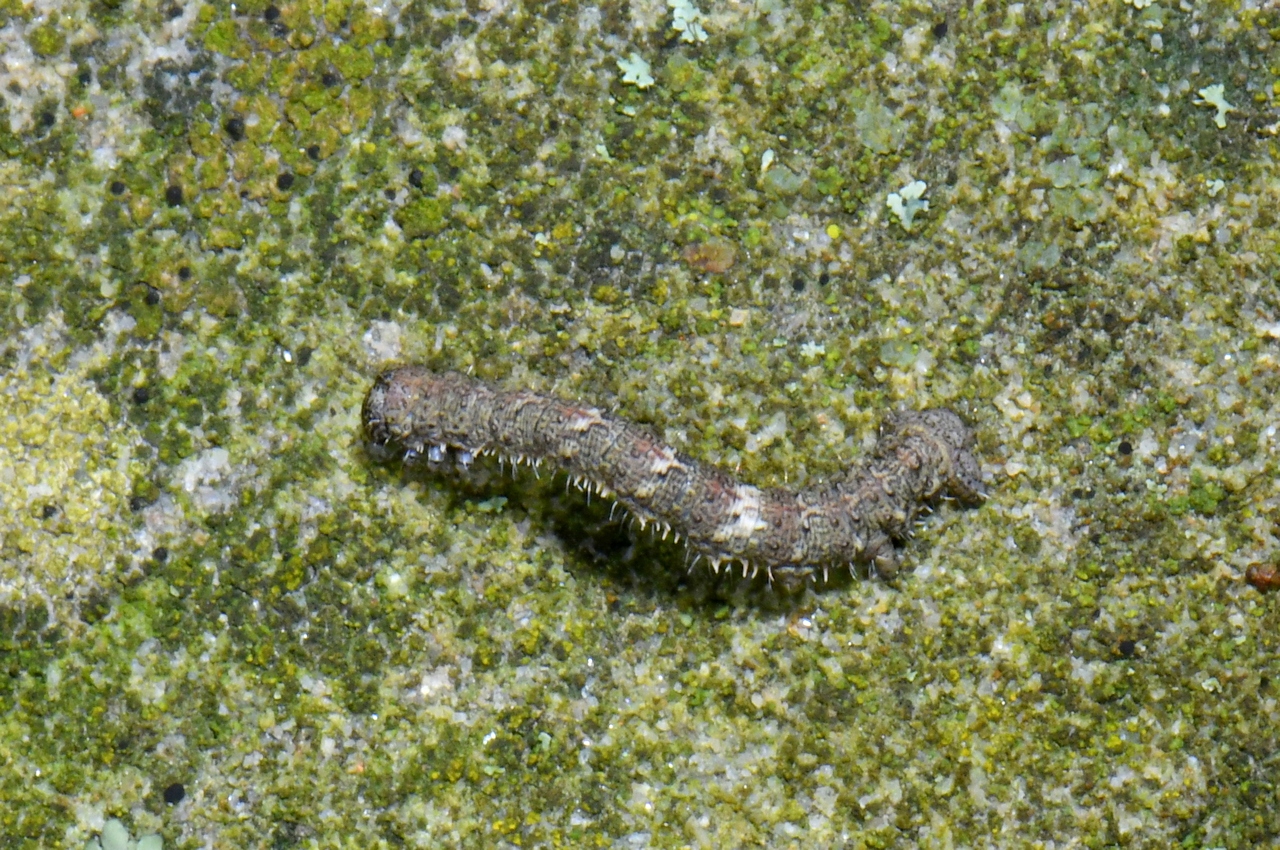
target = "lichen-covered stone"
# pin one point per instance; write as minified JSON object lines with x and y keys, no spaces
{"x":279,"y":620}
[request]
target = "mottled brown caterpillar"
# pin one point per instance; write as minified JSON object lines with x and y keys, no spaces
{"x":792,"y":535}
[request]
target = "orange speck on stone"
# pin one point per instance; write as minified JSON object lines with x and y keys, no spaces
{"x":1265,"y":577}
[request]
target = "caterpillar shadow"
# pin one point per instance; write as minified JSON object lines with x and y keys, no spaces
{"x":606,"y":541}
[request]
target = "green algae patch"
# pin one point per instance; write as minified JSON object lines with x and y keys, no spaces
{"x":48,"y":39}
{"x":423,"y":217}
{"x":67,"y":467}
{"x":224,"y":37}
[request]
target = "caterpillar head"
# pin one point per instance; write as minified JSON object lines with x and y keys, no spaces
{"x":946,"y":446}
{"x":388,"y":411}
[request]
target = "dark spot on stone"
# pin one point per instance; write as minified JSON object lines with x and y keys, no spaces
{"x":141,"y":395}
{"x":448,"y":295}
{"x":304,"y":355}
{"x":152,"y":298}
{"x":49,"y":511}
{"x":47,"y":119}
{"x":284,"y":182}
{"x":184,"y":273}
{"x":940,"y":30}
{"x":173,"y":196}
{"x":117,"y":187}
{"x":174,"y":793}
{"x":797,"y":283}
{"x":286,"y":833}
{"x":824,"y":279}
{"x":415,"y":178}
{"x":1127,"y":648}
{"x":553,"y":125}
{"x":313,"y":151}
{"x":329,"y":79}
{"x":85,"y":78}
{"x":174,"y":11}
{"x":1126,"y":448}
{"x":389,"y":194}
{"x":271,"y":14}
{"x":160,"y":554}
{"x":137,"y":503}
{"x":234,"y":128}
{"x":1077,"y":494}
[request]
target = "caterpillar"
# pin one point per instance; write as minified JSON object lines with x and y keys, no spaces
{"x":792,"y":535}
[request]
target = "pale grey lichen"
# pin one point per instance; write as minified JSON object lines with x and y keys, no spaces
{"x":115,"y":836}
{"x":1215,"y":96}
{"x":907,"y":202}
{"x":635,"y":71}
{"x":687,"y":19}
